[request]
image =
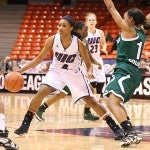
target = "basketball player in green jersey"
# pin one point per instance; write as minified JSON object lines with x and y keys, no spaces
{"x":126,"y":76}
{"x":81,"y":29}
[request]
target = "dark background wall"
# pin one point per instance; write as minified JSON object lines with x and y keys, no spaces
{"x":17,"y":1}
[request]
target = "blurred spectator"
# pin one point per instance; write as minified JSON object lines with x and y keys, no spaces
{"x":144,"y":67}
{"x":40,"y":68}
{"x":8,"y":64}
{"x":148,"y":65}
{"x":108,"y":37}
{"x":15,"y":65}
{"x":1,"y":64}
{"x":44,"y":68}
{"x":22,"y":63}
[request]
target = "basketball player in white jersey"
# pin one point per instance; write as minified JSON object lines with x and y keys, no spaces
{"x":81,"y":30}
{"x":5,"y":142}
{"x":97,"y":43}
{"x":68,"y":51}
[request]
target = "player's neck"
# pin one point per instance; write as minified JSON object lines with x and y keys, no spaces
{"x":92,"y":30}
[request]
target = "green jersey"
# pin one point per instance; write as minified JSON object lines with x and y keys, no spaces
{"x":130,"y":50}
{"x":127,"y":76}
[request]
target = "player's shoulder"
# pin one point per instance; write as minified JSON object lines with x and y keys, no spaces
{"x":100,"y":31}
{"x":49,"y":41}
{"x":50,"y":38}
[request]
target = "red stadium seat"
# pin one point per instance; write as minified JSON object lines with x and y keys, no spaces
{"x":24,"y":52}
{"x":13,"y":52}
{"x":35,"y":17}
{"x":36,"y":44}
{"x":26,"y":44}
{"x":31,"y":57}
{"x":36,"y":48}
{"x":19,"y":40}
{"x":41,"y":26}
{"x":28,"y":40}
{"x":32,"y":26}
{"x":13,"y":57}
{"x":28,"y":16}
{"x":29,"y":36}
{"x":20,"y":36}
{"x":35,"y":53}
{"x":39,"y":31}
{"x":18,"y":44}
{"x":17,"y":48}
{"x":22,"y":56}
{"x":26,"y":21}
{"x":31,"y":31}
{"x":48,"y":26}
{"x":47,"y":31}
{"x":23,"y":31}
{"x":24,"y":26}
{"x":33,"y":21}
{"x":26,"y":48}
{"x":36,"y":40}
{"x":37,"y":36}
{"x":36,"y":12}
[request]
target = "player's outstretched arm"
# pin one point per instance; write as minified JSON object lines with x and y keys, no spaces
{"x":115,"y":14}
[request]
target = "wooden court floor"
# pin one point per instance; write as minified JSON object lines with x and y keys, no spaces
{"x":65,"y":129}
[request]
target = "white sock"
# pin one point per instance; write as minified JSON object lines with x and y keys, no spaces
{"x":2,"y":122}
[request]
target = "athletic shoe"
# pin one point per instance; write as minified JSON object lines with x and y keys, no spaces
{"x":22,"y":130}
{"x":4,"y":133}
{"x":119,"y":134}
{"x":8,"y":144}
{"x":89,"y":116}
{"x":130,"y":138}
{"x":5,"y":142}
{"x":38,"y":115}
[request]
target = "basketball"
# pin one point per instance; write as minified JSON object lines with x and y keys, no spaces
{"x":14,"y":81}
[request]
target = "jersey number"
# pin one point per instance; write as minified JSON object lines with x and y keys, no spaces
{"x":93,"y":48}
{"x":139,"y":50}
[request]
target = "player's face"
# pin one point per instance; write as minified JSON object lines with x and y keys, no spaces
{"x":91,"y":21}
{"x":148,"y":24}
{"x":84,"y":32}
{"x":127,"y":19}
{"x":64,"y":27}
{"x":148,"y":18}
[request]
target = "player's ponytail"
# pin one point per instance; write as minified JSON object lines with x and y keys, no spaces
{"x":78,"y":25}
{"x":76,"y":34}
{"x":146,"y":24}
{"x":137,"y":15}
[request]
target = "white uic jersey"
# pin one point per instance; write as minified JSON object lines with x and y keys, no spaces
{"x":66,"y":58}
{"x":94,"y":43}
{"x":94,"y":48}
{"x":65,"y":70}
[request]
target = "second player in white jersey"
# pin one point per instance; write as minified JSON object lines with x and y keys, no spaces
{"x":97,"y":43}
